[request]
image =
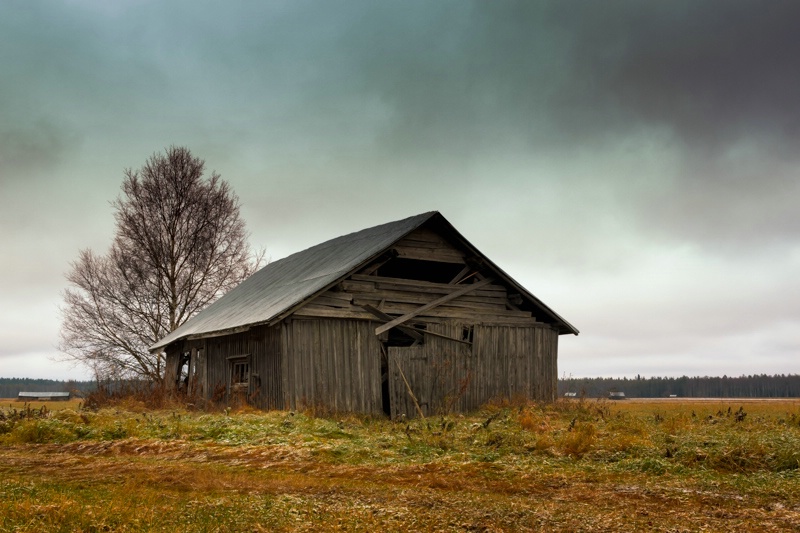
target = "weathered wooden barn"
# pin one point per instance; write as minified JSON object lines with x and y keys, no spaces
{"x":401,"y":318}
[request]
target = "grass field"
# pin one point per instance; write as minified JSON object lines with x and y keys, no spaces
{"x":570,"y":466}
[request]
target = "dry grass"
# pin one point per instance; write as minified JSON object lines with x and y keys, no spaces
{"x":571,"y":466}
{"x":13,"y":403}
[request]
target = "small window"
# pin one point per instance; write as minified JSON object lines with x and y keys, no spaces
{"x":468,"y":333}
{"x":240,"y":373}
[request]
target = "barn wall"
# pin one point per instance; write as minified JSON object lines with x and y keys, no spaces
{"x":218,"y":365}
{"x":516,"y":361}
{"x":502,"y":362}
{"x":266,"y":367}
{"x":334,"y":364}
{"x":261,"y":345}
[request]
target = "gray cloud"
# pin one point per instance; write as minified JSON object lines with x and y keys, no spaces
{"x":27,"y":150}
{"x":592,"y":149}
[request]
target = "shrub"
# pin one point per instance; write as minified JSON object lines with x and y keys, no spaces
{"x":579,"y":439}
{"x":42,"y":431}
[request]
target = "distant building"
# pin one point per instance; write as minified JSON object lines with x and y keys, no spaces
{"x":570,"y":394}
{"x":616,"y":395}
{"x":43,"y":396}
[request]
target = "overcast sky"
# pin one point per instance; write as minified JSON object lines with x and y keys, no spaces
{"x":636,"y":165}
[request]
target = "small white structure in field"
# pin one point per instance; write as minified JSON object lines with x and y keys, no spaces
{"x":43,"y":396}
{"x":616,"y":395}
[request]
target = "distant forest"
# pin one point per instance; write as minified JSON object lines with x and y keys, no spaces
{"x":11,"y":387}
{"x":763,"y":386}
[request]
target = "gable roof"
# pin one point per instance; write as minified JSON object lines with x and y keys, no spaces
{"x":281,"y":286}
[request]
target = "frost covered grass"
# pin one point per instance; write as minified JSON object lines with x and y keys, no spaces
{"x":569,"y":466}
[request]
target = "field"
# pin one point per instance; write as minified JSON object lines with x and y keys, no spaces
{"x":569,"y":466}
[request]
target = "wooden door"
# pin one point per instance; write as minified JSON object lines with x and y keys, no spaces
{"x":409,"y":390}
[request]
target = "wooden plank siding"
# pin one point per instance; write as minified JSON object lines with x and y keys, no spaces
{"x":504,"y":362}
{"x":427,"y":245}
{"x":327,"y":354}
{"x":396,"y":296}
{"x":333,"y":363}
{"x":266,"y":367}
{"x":262,"y":346}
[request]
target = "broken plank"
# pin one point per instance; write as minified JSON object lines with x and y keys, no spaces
{"x":425,"y":297}
{"x":425,"y":235}
{"x":409,"y":304}
{"x":330,"y":302}
{"x":439,"y":301}
{"x":330,"y":312}
{"x":458,"y":277}
{"x":411,"y":332}
{"x":358,"y":285}
{"x":429,"y":254}
{"x":486,"y":292}
{"x":447,"y":310}
{"x":346,"y":296}
{"x":419,"y":283}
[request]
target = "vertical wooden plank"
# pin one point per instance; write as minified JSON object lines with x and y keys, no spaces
{"x":286,"y":365}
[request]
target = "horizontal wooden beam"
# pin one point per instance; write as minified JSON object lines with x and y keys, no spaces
{"x":430,"y":254}
{"x":444,"y":299}
{"x":415,"y":283}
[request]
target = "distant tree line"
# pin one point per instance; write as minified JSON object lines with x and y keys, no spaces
{"x":760,"y":386}
{"x":11,"y":387}
{"x":756,"y":386}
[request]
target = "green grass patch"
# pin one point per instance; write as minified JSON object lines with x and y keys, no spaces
{"x":564,"y":467}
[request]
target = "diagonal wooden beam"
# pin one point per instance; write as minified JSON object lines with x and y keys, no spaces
{"x":411,"y":332}
{"x":464,"y":272}
{"x":444,"y":299}
{"x":408,"y":330}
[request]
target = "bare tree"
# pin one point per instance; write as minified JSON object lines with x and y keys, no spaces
{"x":180,"y":244}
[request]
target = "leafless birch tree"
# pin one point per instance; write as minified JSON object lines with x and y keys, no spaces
{"x":180,"y":244}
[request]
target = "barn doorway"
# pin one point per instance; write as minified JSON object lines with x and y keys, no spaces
{"x":430,"y":379}
{"x":407,"y":383}
{"x":395,"y":338}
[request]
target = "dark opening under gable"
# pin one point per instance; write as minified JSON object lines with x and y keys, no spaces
{"x":418,"y":269}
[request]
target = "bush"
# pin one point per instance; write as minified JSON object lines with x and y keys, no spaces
{"x":41,"y":432}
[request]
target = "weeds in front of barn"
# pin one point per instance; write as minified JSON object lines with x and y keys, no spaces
{"x":132,"y":469}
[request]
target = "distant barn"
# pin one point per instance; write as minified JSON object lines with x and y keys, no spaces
{"x":43,"y":396}
{"x":401,"y":318}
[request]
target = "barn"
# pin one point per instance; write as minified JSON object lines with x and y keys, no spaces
{"x":43,"y":396}
{"x":402,"y":319}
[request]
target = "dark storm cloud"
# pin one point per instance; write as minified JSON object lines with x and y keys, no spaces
{"x":716,"y":84}
{"x":712,"y":72}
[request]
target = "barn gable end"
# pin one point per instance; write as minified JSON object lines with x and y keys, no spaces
{"x":424,"y":324}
